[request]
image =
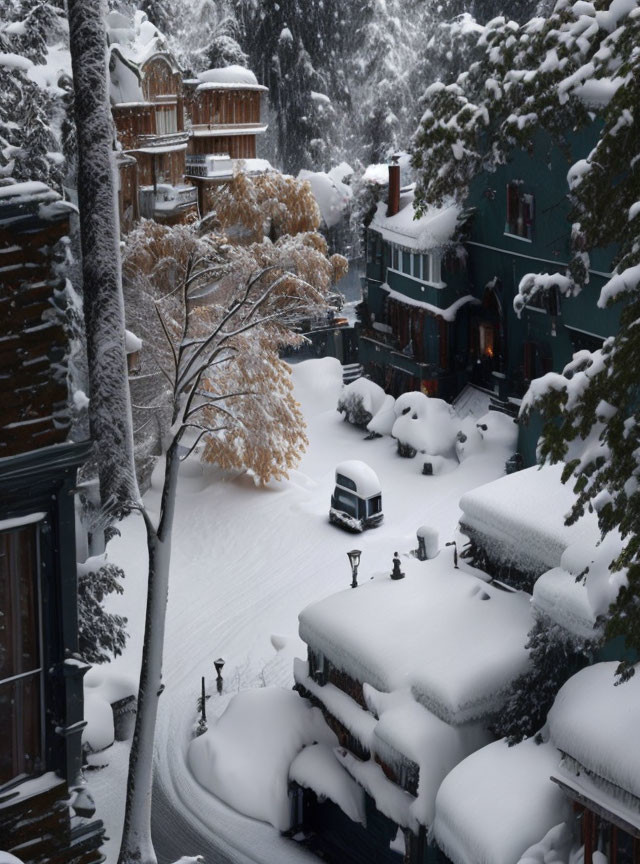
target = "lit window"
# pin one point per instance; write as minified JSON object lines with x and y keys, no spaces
{"x":520,"y":212}
{"x":486,"y":340}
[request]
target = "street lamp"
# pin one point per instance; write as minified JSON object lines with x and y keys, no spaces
{"x":354,"y":560}
{"x":219,"y":663}
{"x":455,"y":552}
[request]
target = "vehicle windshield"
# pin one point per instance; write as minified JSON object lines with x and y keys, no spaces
{"x":346,"y":502}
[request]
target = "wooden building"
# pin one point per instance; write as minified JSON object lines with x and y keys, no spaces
{"x":45,"y":811}
{"x":224,"y":107}
{"x":148,"y":110}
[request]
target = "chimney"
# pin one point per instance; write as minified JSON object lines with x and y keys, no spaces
{"x":393,"y":201}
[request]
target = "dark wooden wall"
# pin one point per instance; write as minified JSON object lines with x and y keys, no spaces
{"x":33,"y":341}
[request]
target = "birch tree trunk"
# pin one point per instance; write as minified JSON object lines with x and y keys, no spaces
{"x":109,"y":408}
{"x":137,"y":846}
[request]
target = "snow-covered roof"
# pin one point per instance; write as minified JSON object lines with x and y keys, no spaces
{"x":229,"y":77}
{"x":521,"y":517}
{"x":596,"y":723}
{"x":454,"y":641}
{"x":434,"y":229}
{"x":365,"y":478}
{"x":582,"y":588}
{"x":317,"y":768}
{"x":498,"y":802}
{"x":132,"y":42}
{"x":222,"y":129}
{"x":331,"y":193}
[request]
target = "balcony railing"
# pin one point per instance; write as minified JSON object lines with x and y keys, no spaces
{"x":166,"y":200}
{"x":172,"y":139}
{"x":211,"y":166}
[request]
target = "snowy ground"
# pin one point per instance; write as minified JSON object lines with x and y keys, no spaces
{"x":245,"y":561}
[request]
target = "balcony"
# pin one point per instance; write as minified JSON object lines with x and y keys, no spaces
{"x":165,"y":202}
{"x":162,"y":143}
{"x":216,"y":166}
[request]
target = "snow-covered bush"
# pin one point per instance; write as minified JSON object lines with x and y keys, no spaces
{"x":424,"y":425}
{"x":101,"y":634}
{"x":384,"y":418}
{"x":360,"y":401}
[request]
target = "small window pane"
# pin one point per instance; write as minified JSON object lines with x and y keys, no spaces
{"x":406,"y":263}
{"x":435,"y":269}
{"x":426,"y":268}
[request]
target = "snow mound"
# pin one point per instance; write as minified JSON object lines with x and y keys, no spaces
{"x":317,"y":384}
{"x":382,"y":421}
{"x":360,"y":401}
{"x":596,"y":723}
{"x":245,"y":757}
{"x":228,"y":75}
{"x":498,"y":802}
{"x":554,"y":848}
{"x":425,"y":424}
{"x":333,"y":196}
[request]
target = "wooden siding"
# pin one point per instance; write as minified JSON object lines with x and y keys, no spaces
{"x":33,"y":347}
{"x":132,"y":121}
{"x":160,"y":81}
{"x":161,"y":168}
{"x":37,"y":829}
{"x":214,"y":107}
{"x":237,"y":146}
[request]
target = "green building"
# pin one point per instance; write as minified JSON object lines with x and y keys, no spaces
{"x":438,"y":305}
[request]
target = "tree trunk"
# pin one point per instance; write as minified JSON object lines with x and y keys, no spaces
{"x":109,"y":408}
{"x":137,"y":847}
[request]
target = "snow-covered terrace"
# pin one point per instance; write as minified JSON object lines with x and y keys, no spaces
{"x":453,"y":641}
{"x":520,"y":519}
{"x":595,"y":723}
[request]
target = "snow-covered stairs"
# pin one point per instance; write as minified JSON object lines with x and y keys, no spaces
{"x":351,"y":371}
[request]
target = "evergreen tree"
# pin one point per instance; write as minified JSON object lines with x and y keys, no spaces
{"x":555,"y":657}
{"x":550,"y":74}
{"x":101,"y":635}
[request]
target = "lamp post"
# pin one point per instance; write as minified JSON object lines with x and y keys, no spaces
{"x":455,"y":553}
{"x":219,"y":664}
{"x":354,"y":560}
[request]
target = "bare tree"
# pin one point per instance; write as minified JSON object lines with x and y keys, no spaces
{"x":216,"y":331}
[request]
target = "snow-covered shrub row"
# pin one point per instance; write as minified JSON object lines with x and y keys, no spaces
{"x":424,"y":425}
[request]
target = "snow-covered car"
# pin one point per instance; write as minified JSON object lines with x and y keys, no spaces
{"x":356,"y":502}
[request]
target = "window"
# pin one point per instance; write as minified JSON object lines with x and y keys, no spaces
{"x":20,"y":654}
{"x":346,"y":502}
{"x":520,"y":212}
{"x":166,"y":120}
{"x":406,"y":263}
{"x":486,"y":339}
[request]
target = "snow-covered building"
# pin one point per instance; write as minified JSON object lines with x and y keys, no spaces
{"x":594,"y":724}
{"x":408,"y":673}
{"x":440,"y":288}
{"x":147,"y":103}
{"x":45,"y":813}
{"x":224,"y":108}
{"x":417,"y":298}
